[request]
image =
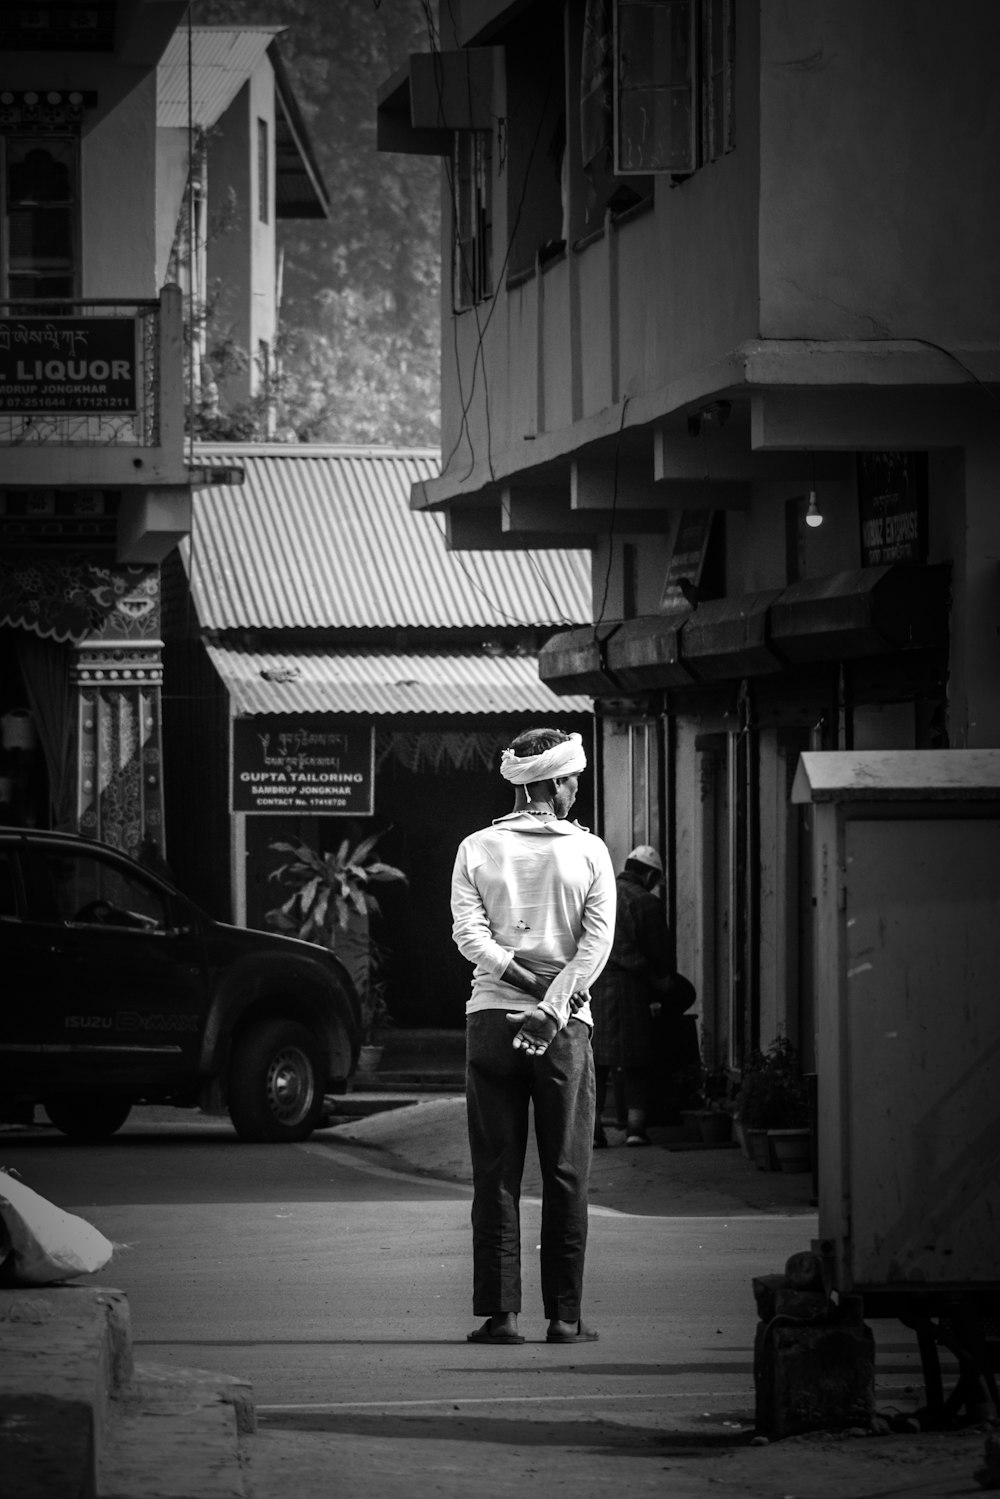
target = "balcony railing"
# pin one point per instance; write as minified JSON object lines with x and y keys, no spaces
{"x":91,"y":373}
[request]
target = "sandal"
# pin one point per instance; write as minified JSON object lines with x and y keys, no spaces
{"x":582,"y":1335}
{"x":483,"y":1335}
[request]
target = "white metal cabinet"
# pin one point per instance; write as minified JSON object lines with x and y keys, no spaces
{"x":907,"y":851}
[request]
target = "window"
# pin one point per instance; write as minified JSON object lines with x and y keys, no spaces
{"x":266,"y":384}
{"x":38,"y":234}
{"x":264,"y":366}
{"x":263,"y":173}
{"x":473,"y":268}
{"x":91,"y":891}
{"x":673,"y":84}
{"x":535,"y":139}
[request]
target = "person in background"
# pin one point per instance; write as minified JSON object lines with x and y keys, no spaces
{"x":625,"y":996}
{"x":533,"y":902}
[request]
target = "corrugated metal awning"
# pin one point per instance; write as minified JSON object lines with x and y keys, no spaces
{"x":386,"y":682}
{"x":323,"y":538}
{"x":222,"y":59}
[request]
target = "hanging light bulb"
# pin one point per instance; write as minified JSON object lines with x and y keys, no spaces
{"x":813,"y":514}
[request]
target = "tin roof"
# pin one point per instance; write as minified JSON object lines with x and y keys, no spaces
{"x":386,"y":682}
{"x":222,"y":59}
{"x":324,"y":538}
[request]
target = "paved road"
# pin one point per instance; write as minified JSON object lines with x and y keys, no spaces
{"x":340,"y":1290}
{"x":301,"y":1268}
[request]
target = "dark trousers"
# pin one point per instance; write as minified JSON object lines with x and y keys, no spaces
{"x":631,"y":1089}
{"x":500,"y":1082}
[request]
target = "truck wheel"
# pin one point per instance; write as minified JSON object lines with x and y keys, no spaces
{"x":84,"y":1117}
{"x":275,"y":1082}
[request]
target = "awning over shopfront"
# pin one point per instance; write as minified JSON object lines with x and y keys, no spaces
{"x":726,"y":638}
{"x":868,"y":612}
{"x":645,"y":653}
{"x":384,"y":683}
{"x":871,"y":611}
{"x":576,"y":661}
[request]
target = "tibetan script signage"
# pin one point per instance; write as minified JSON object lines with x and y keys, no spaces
{"x":290,"y":762}
{"x":892,"y":507}
{"x":82,"y":365}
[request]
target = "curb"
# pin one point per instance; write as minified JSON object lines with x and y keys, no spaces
{"x":76,"y":1413}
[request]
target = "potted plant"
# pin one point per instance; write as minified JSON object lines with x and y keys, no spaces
{"x":772,"y":1100}
{"x":332,"y":904}
{"x":690,"y":1080}
{"x":714,"y":1119}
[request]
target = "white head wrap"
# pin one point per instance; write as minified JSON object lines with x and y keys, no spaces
{"x":564,"y":759}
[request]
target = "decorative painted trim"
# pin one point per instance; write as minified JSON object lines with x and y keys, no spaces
{"x":117,"y":664}
{"x":51,"y":109}
{"x":75,"y":596}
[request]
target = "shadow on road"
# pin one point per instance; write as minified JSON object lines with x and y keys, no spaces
{"x":601,"y":1436}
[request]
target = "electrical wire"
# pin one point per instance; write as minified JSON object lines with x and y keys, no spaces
{"x":930,"y":344}
{"x":191,"y":229}
{"x":479,"y":355}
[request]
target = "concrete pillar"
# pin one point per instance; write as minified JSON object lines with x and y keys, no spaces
{"x":970,"y":520}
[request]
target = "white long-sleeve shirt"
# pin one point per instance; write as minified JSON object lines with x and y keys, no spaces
{"x":541,"y":890}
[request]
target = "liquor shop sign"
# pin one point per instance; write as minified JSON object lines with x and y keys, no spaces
{"x":82,"y":365}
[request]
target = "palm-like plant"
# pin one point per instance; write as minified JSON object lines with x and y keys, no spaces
{"x":328,"y":888}
{"x":331,"y":903}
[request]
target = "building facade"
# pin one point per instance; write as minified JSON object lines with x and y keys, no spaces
{"x":335,"y":673}
{"x":718,"y":305}
{"x":104,"y":171}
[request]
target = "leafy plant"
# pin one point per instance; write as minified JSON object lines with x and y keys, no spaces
{"x":773,"y":1093}
{"x":331,"y":903}
{"x":716,"y":1089}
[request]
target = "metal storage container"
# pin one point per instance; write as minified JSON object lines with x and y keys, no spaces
{"x":907,"y":881}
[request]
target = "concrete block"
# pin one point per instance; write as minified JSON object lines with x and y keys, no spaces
{"x":174,"y":1434}
{"x":809,"y":1306}
{"x":813,"y":1376}
{"x":64,"y":1350}
{"x":765,"y":1291}
{"x":46,"y":1447}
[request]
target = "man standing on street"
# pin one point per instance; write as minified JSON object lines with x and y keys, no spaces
{"x":640,"y":965}
{"x":533,"y":902}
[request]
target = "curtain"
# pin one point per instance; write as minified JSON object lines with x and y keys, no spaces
{"x":44,"y":666}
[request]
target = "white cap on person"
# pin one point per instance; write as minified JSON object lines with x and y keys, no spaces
{"x":646,"y":854}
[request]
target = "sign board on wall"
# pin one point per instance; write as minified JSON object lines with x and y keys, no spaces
{"x":81,"y":365}
{"x":892,"y":507}
{"x":291,"y":762}
{"x":687,"y":559}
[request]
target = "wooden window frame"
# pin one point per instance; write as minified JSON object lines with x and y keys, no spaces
{"x":472,"y":173}
{"x":263,"y":171}
{"x":690,"y":67}
{"x":73,"y":270}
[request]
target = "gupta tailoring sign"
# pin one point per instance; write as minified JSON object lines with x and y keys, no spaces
{"x":81,"y":365}
{"x":284,"y":762}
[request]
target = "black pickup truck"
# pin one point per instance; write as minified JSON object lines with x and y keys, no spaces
{"x":116,"y":990}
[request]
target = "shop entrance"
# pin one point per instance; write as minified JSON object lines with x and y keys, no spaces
{"x":425,"y":804}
